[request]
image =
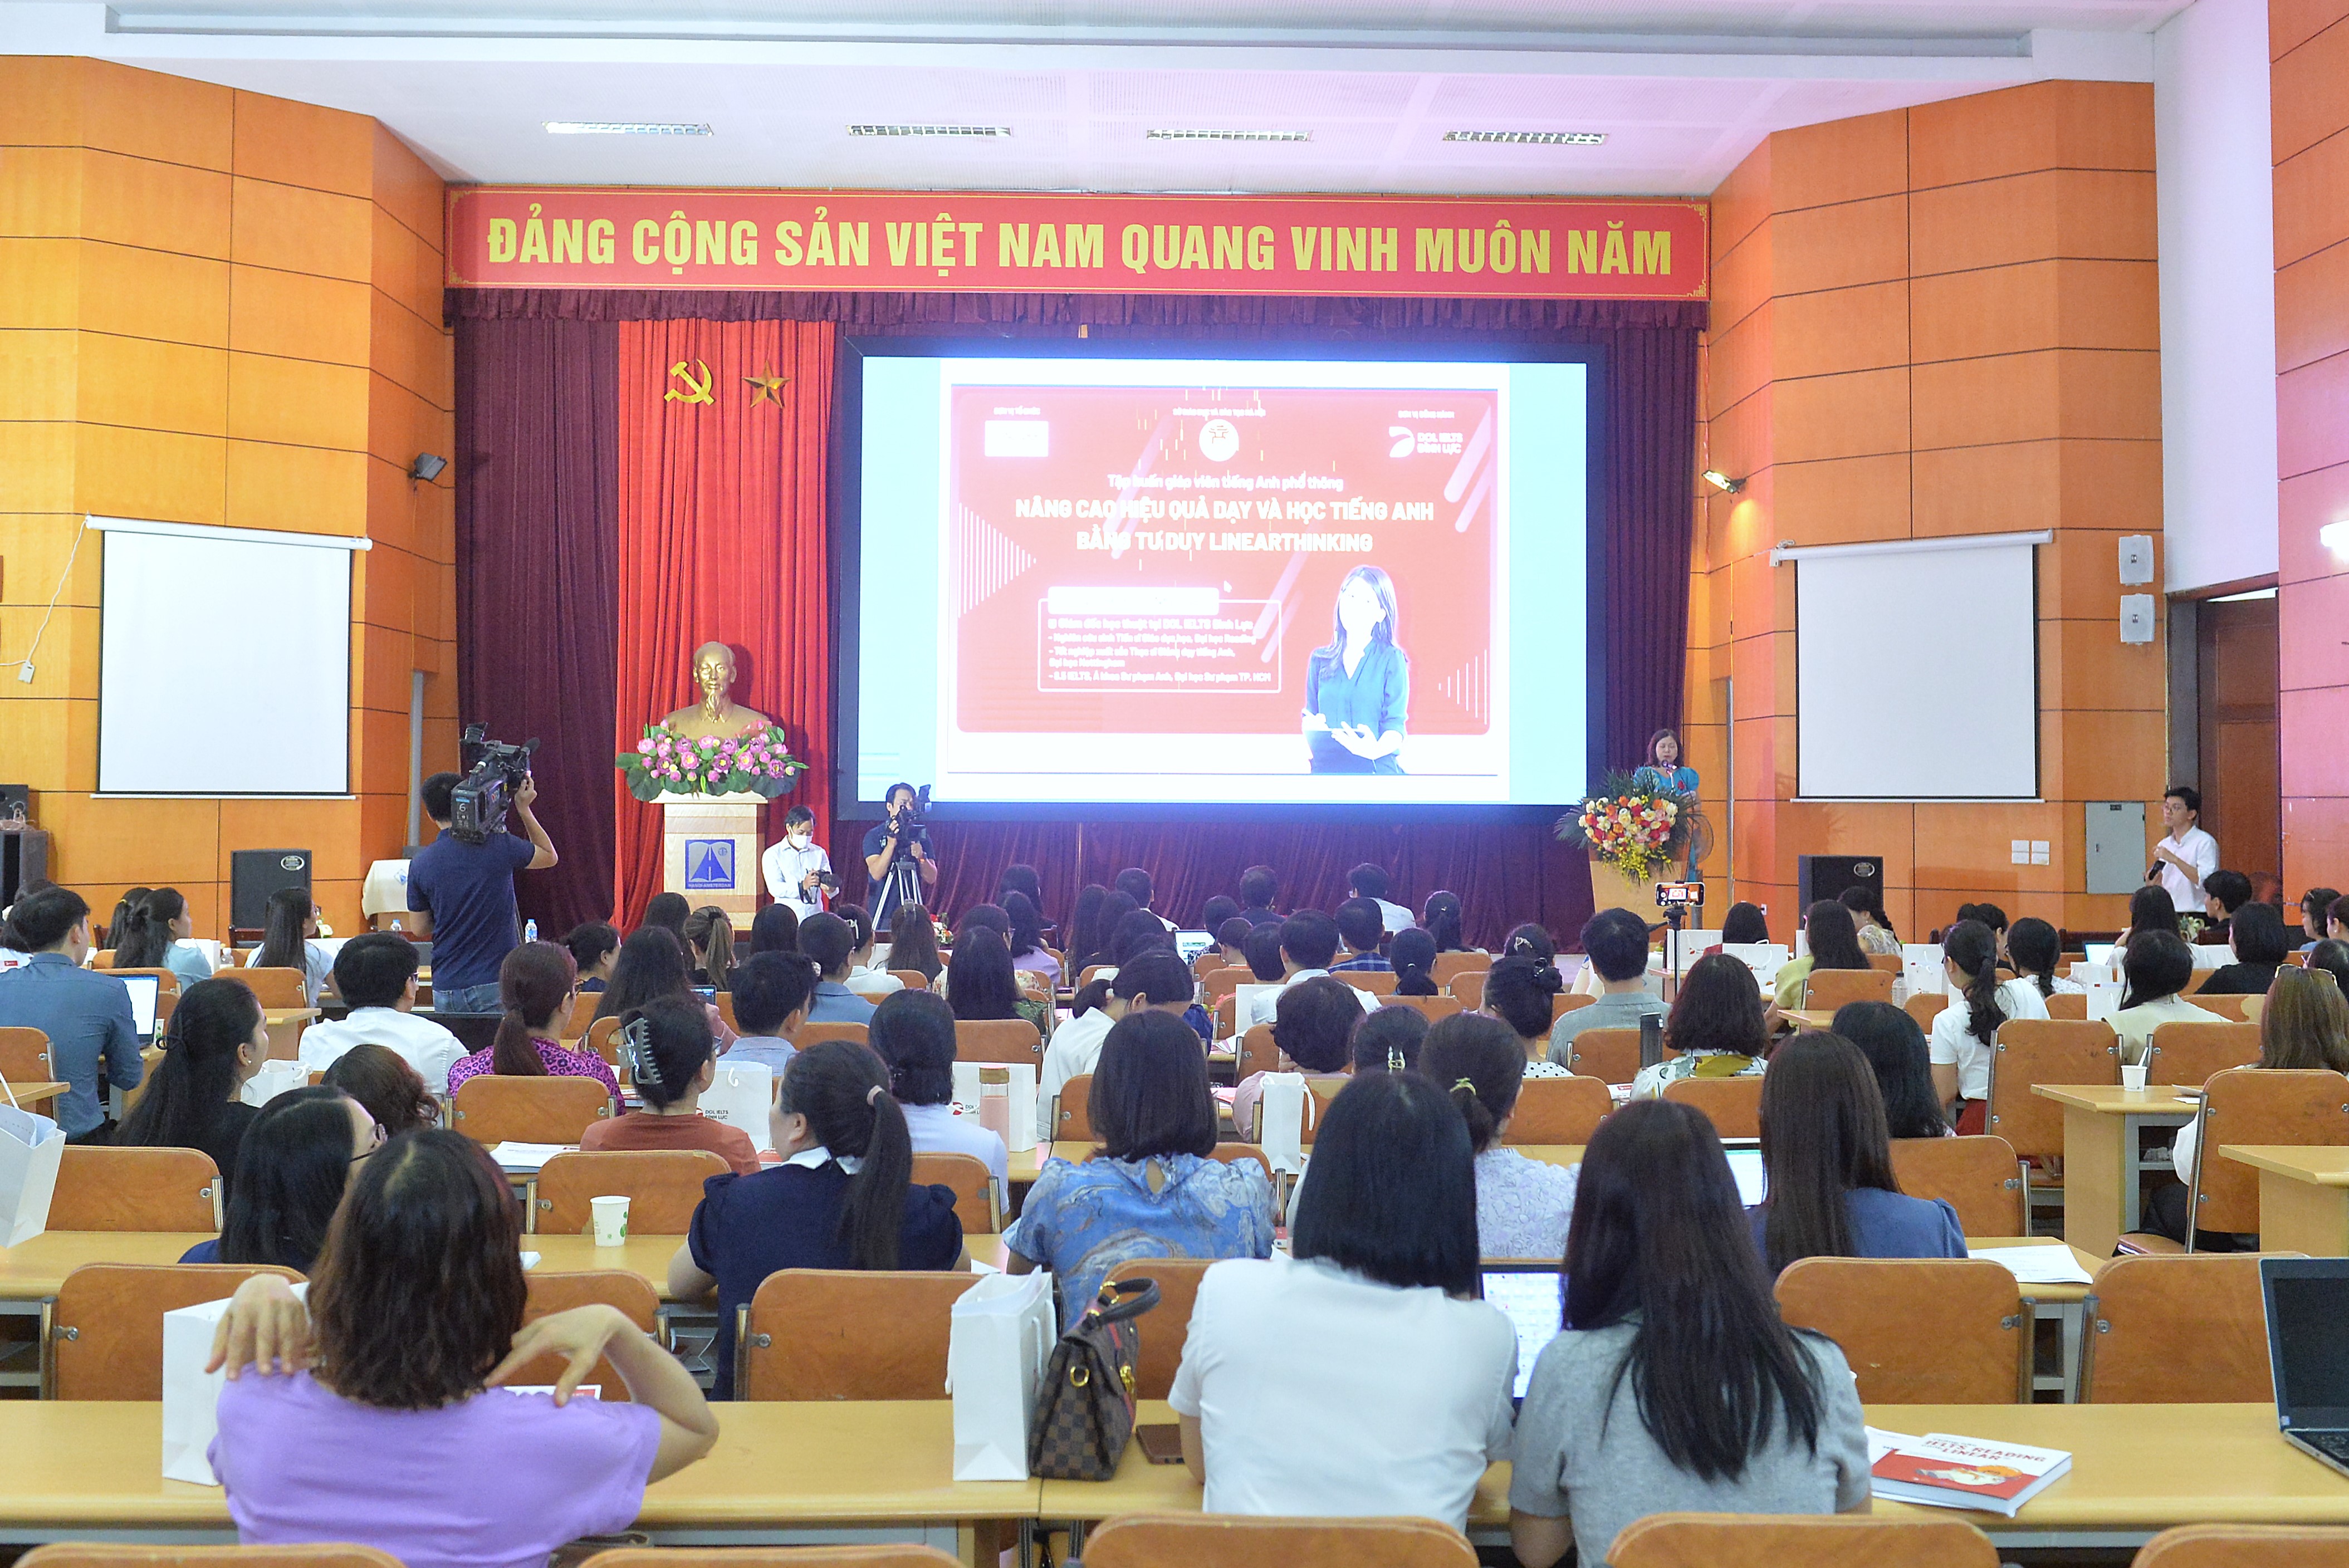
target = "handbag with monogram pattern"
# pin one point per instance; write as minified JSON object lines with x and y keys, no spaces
{"x":1086,"y":1411}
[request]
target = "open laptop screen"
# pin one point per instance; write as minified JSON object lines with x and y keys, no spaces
{"x":1534,"y":1300}
{"x":2306,"y":1308}
{"x":1745,"y":1166}
{"x":1190,"y":944}
{"x":142,"y":989}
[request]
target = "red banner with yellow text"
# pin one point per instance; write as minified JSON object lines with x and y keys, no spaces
{"x":1396,"y":246}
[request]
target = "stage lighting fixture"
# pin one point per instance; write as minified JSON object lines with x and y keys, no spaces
{"x":427,"y":468}
{"x":1722,"y":481}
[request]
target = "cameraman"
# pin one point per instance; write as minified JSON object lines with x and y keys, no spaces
{"x":798,"y":870}
{"x":467,"y":891}
{"x":897,"y":856}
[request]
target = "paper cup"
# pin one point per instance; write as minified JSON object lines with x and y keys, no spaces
{"x":612,"y":1216}
{"x":2133,"y":1077}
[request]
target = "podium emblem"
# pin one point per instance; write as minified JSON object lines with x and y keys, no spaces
{"x":708,"y":865}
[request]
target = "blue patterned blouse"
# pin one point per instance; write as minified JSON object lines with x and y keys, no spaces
{"x":1083,"y":1221}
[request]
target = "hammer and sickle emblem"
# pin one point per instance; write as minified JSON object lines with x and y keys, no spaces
{"x":694,"y":391}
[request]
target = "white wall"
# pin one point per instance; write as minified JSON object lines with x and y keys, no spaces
{"x":2218,"y":294}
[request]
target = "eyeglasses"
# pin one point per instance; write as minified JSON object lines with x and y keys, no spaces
{"x":374,"y":1142}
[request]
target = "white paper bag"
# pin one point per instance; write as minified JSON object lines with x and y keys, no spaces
{"x":2103,"y":996}
{"x":1764,"y":958}
{"x":30,"y":1149}
{"x":999,"y":1342}
{"x":740,"y":1095}
{"x":272,"y":1078}
{"x":190,"y":1394}
{"x":1921,"y":970}
{"x":1021,"y":1101}
{"x":1280,"y":1120}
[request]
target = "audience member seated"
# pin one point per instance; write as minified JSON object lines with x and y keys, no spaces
{"x":218,"y":1039}
{"x":1677,"y":1387}
{"x":1362,"y":1379}
{"x":118,"y":930}
{"x":2313,"y":905}
{"x":2336,"y":920}
{"x":1834,"y":943}
{"x":1029,"y":953}
{"x":914,"y":1033}
{"x":1308,"y":945}
{"x":913,"y":943}
{"x":1361,"y":931}
{"x":981,"y":984}
{"x":1109,"y":918}
{"x":1523,"y":1206}
{"x":1231,"y":941}
{"x":1022,"y":880}
{"x":709,"y":946}
{"x":1260,"y":888}
{"x":2150,"y":909}
{"x":1989,"y":915}
{"x":772,"y":993}
{"x":1262,"y":953}
{"x":534,"y":988}
{"x":668,"y":910}
{"x":291,"y":921}
{"x":2304,"y":1026}
{"x":1153,"y":1191}
{"x":843,"y":1197}
{"x":1615,"y":944}
{"x":1717,"y":1025}
{"x":1085,"y":933}
{"x":1894,"y":1045}
{"x":379,"y":1078}
{"x":2224,"y":892}
{"x":1744,"y":926}
{"x":868,"y":974}
{"x":1371,"y":881}
{"x":775,"y":929}
{"x":86,"y":1014}
{"x":1217,"y":910}
{"x":1412,"y":952}
{"x":1136,"y":883}
{"x":652,"y":965}
{"x":1388,"y":1040}
{"x":1156,"y":980}
{"x":1873,"y":927}
{"x":1529,"y":940}
{"x":672,"y":1060}
{"x":300,"y":1150}
{"x":2036,"y":950}
{"x":832,"y":942}
{"x":2256,"y":933}
{"x":1313,"y":1026}
{"x":388,"y":1430}
{"x":1966,"y":1028}
{"x":160,"y":927}
{"x":1832,"y":1193}
{"x":375,"y":974}
{"x":1520,"y":992}
{"x":2333,"y":958}
{"x":2159,"y":965}
{"x":595,"y":947}
{"x":1441,"y":920}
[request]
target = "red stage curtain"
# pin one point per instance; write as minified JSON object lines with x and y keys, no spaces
{"x":721,"y":530}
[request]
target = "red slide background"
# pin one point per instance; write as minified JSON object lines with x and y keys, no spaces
{"x":1442,"y":561}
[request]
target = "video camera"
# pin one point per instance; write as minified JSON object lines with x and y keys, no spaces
{"x":910,"y":820}
{"x":477,"y":807}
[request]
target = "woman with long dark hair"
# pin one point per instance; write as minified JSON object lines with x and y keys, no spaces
{"x":2150,"y":909}
{"x":1866,"y":901}
{"x":2159,"y":966}
{"x":1895,"y":1047}
{"x":379,"y":1078}
{"x":1108,"y":915}
{"x":1026,"y":941}
{"x":118,"y":929}
{"x":1966,"y":1029}
{"x":218,"y":1037}
{"x":709,"y":943}
{"x":1676,"y":1385}
{"x":1824,"y":1145}
{"x":1716,"y":1024}
{"x":159,"y":938}
{"x":1834,"y":943}
{"x":2255,"y":932}
{"x":1085,"y":933}
{"x":2035,"y":948}
{"x":651,"y":966}
{"x":913,"y":943}
{"x":843,"y":1197}
{"x":1521,"y":991}
{"x":1441,"y":920}
{"x":775,"y":929}
{"x":1358,"y":685}
{"x":982,"y":985}
{"x":291,"y":920}
{"x":536,"y":990}
{"x":297,"y":1155}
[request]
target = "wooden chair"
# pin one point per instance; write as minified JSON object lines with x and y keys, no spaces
{"x":1917,"y":1331}
{"x":847,"y":1333}
{"x":2171,"y":1330}
{"x":911,"y":979}
{"x":1433,"y":1008}
{"x":1210,"y":959}
{"x":2186,"y":1055}
{"x":576,"y":1019}
{"x":1072,"y":1111}
{"x":1558,"y":1110}
{"x":492,"y":1109}
{"x":1888,"y":961}
{"x":25,"y":1056}
{"x":881,"y":1554}
{"x":1828,"y":989}
{"x":1980,"y":1178}
{"x":1219,"y":984}
{"x":1257,"y":1053}
{"x":2229,"y":1007}
{"x":1187,"y":1540}
{"x":2201,"y":978}
{"x":2068,"y":1007}
{"x":2309,"y":1107}
{"x":1450,"y":967}
{"x":1092,"y":973}
{"x":1167,"y":1326}
{"x":2043,"y":1050}
{"x":976,"y":1203}
{"x":632,"y":1293}
{"x":1377,"y":982}
{"x":1610,"y":1056}
{"x":1469,"y":987}
{"x":103,"y":1554}
{"x":603,"y":1040}
{"x":1233,"y":1153}
{"x":816,"y":1034}
{"x":277,"y":989}
{"x":1771,"y":1541}
{"x":663,"y":1187}
{"x":998,"y":1041}
{"x":724,"y":1002}
{"x":106,"y":1328}
{"x":1566,"y":1002}
{"x":1926,"y":1006}
{"x":1733,"y":1104}
{"x":1319,"y":1093}
{"x":106,"y":1188}
{"x":2217,"y":1546}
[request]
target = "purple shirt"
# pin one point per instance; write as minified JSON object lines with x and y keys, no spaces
{"x":498,"y":1480}
{"x":559,"y":1063}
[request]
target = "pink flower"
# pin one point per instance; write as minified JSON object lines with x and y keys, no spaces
{"x":645,"y":747}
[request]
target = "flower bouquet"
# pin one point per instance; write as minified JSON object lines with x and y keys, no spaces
{"x":756,"y":762}
{"x":1633,"y":826}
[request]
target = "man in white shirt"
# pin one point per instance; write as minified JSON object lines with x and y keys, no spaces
{"x":1158,"y":980}
{"x":1134,"y":883}
{"x":1371,"y":882}
{"x":2189,"y":854}
{"x":1308,"y":945}
{"x":375,"y":974}
{"x":796,"y":868}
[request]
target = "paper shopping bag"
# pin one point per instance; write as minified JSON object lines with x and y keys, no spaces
{"x":190,"y":1394}
{"x":272,"y":1079}
{"x":1280,"y":1121}
{"x":30,"y":1149}
{"x":1000,"y":1337}
{"x":740,"y":1095}
{"x":2103,"y":996}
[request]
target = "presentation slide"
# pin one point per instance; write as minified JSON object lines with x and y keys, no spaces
{"x":1222,"y":581}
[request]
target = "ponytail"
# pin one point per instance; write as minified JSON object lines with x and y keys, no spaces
{"x":1412,"y":954}
{"x":842,"y":1090}
{"x":532,"y":985}
{"x":1481,"y":1061}
{"x":511,"y":1052}
{"x":149,"y":943}
{"x":1093,"y":996}
{"x":1970,"y":945}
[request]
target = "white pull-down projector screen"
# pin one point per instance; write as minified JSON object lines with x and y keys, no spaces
{"x":1917,"y":669}
{"x":224,"y":661}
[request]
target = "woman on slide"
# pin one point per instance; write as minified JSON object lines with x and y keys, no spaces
{"x":1358,"y":687}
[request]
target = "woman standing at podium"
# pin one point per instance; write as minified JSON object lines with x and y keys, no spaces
{"x":1663,"y":769}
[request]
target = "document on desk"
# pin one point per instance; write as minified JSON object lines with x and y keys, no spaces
{"x":525,"y":1159}
{"x":2037,"y":1265}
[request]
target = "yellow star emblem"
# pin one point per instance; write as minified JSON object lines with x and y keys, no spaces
{"x":767,"y":388}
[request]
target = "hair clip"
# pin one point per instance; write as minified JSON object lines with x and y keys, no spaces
{"x":1468,"y":1084}
{"x":873,"y":1095}
{"x":636,"y":1042}
{"x":1394,"y":1060}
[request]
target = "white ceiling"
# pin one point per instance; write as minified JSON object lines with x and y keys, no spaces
{"x":1683,"y":91}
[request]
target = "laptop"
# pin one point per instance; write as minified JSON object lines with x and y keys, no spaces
{"x":1745,"y":1166}
{"x":143,"y":989}
{"x":2307,"y":1301}
{"x":1190,"y":944}
{"x":1533,"y":1297}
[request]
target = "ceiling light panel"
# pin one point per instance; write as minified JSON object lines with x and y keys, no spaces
{"x":624,"y":128}
{"x":946,"y":130}
{"x":1532,"y":138}
{"x":1228,"y":136}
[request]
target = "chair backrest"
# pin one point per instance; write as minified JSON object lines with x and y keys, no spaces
{"x":880,"y":1555}
{"x":724,"y":1002}
{"x":1209,"y":960}
{"x":1980,"y":1178}
{"x":996,"y":1040}
{"x":847,"y":1333}
{"x":2175,"y":1328}
{"x":2201,"y":978}
{"x":1469,"y":987}
{"x":2045,"y":1050}
{"x":1186,"y":1541}
{"x":107,"y":1325}
{"x":106,"y":1188}
{"x":1377,"y":982}
{"x":1072,"y":1111}
{"x":1768,"y":1540}
{"x":492,"y":1109}
{"x":1558,"y":1110}
{"x":105,"y":1554}
{"x":1887,"y":960}
{"x":1433,"y":1008}
{"x":1832,"y":988}
{"x":2185,"y":1055}
{"x":2230,"y":1008}
{"x":1319,"y":1093}
{"x":1449,"y":966}
{"x":603,"y":1040}
{"x":1092,"y":973}
{"x":276,"y":989}
{"x":977,"y":1204}
{"x":1734,"y":1104}
{"x":1167,"y":1326}
{"x":816,"y":1034}
{"x":2220,"y":1546}
{"x":911,"y":979}
{"x":631,"y":1293}
{"x":1566,"y":1002}
{"x":2249,"y":1105}
{"x":1233,"y":1153}
{"x":2070,"y":1006}
{"x":1926,"y":1006}
{"x":1917,"y":1331}
{"x":1610,"y":1056}
{"x":1257,"y":1053}
{"x":25,"y":1054}
{"x":663,"y":1187}
{"x":1221,"y":982}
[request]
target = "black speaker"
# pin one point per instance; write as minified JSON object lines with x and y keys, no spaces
{"x":1826,"y":876}
{"x":255,"y":874}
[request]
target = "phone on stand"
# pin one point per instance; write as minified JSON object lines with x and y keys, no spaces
{"x":1162,"y":1442}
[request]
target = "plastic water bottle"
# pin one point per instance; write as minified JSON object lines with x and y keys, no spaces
{"x":530,"y":931}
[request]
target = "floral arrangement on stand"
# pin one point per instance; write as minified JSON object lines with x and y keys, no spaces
{"x":756,"y":762}
{"x":1633,"y":826}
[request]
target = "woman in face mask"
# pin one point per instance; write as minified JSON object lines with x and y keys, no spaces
{"x":798,"y":871}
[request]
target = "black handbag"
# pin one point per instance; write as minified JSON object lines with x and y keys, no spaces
{"x":1084,"y":1415}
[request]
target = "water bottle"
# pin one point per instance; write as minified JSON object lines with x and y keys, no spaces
{"x":530,"y":931}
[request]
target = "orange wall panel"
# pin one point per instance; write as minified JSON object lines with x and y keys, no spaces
{"x":301,"y":230}
{"x":158,"y":474}
{"x":153,"y":293}
{"x":1835,"y":330}
{"x":1847,"y":416}
{"x":303,"y":145}
{"x":2046,"y":125}
{"x":2313,"y":308}
{"x":156,"y":206}
{"x":152,"y":384}
{"x":297,"y":315}
{"x":1838,"y":247}
{"x":301,"y":489}
{"x":1841,"y":161}
{"x":2311,"y":200}
{"x":1843,"y":500}
{"x":298,"y":402}
{"x":173,"y":119}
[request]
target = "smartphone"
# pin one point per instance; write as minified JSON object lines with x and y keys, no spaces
{"x":1162,"y":1442}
